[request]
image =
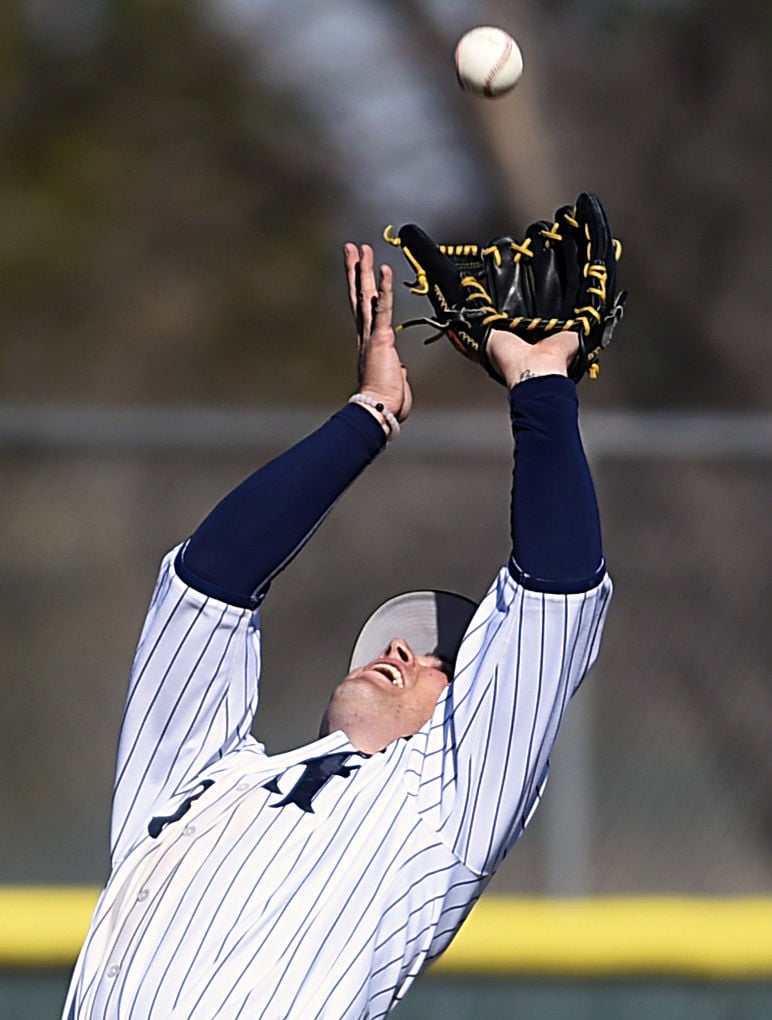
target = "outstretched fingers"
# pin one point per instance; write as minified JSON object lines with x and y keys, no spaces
{"x":382,"y":307}
{"x":380,"y":372}
{"x":362,"y":289}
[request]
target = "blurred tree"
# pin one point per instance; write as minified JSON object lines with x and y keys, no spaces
{"x":665,"y":105}
{"x":661,"y":106}
{"x":514,"y":140}
{"x":154,"y":247}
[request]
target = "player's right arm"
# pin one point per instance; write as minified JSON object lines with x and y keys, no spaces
{"x":193,"y":691}
{"x":261,"y":526}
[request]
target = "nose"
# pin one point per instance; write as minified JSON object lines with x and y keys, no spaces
{"x":398,"y":648}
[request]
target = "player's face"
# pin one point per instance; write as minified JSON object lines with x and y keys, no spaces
{"x":389,"y":698}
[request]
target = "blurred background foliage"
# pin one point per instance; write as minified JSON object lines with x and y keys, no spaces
{"x":174,"y":192}
{"x":164,"y":216}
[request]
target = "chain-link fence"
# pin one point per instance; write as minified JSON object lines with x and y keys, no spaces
{"x":661,"y":778}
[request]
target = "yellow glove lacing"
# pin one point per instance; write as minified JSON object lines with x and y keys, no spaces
{"x":585,"y":318}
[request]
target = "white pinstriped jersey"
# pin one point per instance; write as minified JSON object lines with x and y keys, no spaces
{"x":246,"y":908}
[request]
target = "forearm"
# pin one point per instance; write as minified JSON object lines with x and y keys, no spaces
{"x":254,"y":532}
{"x":556,"y":533}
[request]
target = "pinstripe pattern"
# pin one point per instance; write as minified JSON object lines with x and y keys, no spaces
{"x":245,"y":909}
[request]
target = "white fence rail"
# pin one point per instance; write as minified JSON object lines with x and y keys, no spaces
{"x":462,"y":432}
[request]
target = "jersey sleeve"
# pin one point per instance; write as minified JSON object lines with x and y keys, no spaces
{"x":192,"y":697}
{"x":486,"y":756}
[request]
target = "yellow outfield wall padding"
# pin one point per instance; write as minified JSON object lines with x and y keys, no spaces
{"x":710,"y":938}
{"x":715,"y":939}
{"x":43,"y":926}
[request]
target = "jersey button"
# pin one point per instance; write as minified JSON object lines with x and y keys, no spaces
{"x":189,"y":830}
{"x":242,"y":787}
{"x":113,"y":971}
{"x":142,"y":895}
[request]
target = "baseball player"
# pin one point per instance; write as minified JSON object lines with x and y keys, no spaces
{"x":318,"y":882}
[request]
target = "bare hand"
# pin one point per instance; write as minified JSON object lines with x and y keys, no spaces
{"x":380,"y":372}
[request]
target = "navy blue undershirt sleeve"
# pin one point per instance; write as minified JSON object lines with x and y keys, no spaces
{"x":254,"y":532}
{"x":556,"y":533}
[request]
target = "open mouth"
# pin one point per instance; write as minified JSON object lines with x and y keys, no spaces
{"x":391,"y":673}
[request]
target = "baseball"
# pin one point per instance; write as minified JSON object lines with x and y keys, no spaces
{"x":488,"y":61}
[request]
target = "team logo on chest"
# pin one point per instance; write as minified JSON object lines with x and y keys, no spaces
{"x":316,"y":773}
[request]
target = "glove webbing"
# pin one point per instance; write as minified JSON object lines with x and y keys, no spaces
{"x":581,"y":321}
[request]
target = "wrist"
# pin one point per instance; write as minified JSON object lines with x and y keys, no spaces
{"x":379,"y":411}
{"x":516,"y":360}
{"x":536,"y":372}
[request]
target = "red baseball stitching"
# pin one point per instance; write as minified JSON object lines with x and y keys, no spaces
{"x":487,"y":86}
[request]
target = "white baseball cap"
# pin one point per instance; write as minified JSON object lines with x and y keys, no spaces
{"x":432,"y":623}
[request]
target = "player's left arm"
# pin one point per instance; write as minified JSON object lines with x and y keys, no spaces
{"x":534,"y":637}
{"x":489,"y":743}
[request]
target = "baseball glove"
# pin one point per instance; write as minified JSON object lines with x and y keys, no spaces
{"x":560,"y":276}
